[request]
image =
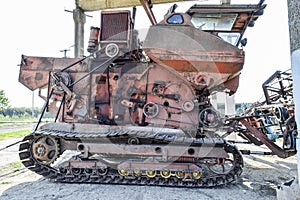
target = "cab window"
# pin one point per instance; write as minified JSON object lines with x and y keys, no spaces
{"x":175,"y":19}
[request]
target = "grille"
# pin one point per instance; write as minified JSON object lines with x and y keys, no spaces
{"x":114,"y":26}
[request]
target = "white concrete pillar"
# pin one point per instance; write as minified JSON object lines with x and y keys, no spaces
{"x":294,"y":27}
{"x":292,"y":191}
{"x":296,"y":92}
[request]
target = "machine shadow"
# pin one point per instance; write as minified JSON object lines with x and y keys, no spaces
{"x":247,"y":186}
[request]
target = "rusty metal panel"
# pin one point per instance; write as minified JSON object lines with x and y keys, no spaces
{"x":33,"y":80}
{"x":198,"y":55}
{"x":34,"y":70}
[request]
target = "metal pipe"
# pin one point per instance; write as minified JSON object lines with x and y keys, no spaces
{"x":146,"y":5}
{"x":282,"y":153}
{"x":265,"y":86}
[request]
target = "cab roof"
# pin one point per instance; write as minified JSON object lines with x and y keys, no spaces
{"x":226,"y":18}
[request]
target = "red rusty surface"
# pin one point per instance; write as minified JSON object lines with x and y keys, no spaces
{"x":161,"y":93}
{"x":34,"y":71}
{"x":196,"y":54}
{"x":282,"y":153}
{"x":201,"y":61}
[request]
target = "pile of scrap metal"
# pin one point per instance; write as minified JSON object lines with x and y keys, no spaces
{"x":272,"y":121}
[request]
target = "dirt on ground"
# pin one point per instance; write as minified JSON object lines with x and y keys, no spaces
{"x":261,"y":175}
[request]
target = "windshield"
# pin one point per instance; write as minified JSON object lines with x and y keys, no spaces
{"x":219,"y":24}
{"x":214,"y":22}
{"x":232,"y":38}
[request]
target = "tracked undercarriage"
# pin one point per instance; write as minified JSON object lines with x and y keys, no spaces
{"x":140,"y":113}
{"x":114,"y":155}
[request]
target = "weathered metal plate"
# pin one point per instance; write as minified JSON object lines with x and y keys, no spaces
{"x":94,"y":5}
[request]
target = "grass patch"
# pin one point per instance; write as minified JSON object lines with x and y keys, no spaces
{"x":16,"y":118}
{"x":18,"y":121}
{"x":17,"y":164}
{"x":19,"y":133}
{"x":5,"y":182}
{"x":15,"y":121}
{"x":10,"y":168}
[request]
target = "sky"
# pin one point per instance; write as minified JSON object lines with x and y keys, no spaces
{"x":43,"y":28}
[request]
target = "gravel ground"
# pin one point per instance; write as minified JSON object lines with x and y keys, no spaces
{"x":261,"y":176}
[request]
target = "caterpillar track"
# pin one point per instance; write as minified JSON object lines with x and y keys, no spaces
{"x":197,"y":172}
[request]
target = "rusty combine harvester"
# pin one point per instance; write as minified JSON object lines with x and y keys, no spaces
{"x":139,"y":112}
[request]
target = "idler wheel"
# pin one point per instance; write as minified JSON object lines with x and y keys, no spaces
{"x":196,"y":175}
{"x":45,"y":149}
{"x":151,"y":173}
{"x":123,"y":172}
{"x":180,"y":174}
{"x":165,"y":174}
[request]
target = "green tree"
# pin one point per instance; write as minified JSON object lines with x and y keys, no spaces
{"x":3,"y":100}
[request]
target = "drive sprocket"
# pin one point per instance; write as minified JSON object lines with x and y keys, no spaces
{"x":45,"y":149}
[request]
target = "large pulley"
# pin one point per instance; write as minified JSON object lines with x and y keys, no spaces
{"x":60,"y":81}
{"x":290,"y":134}
{"x":151,"y":110}
{"x":209,"y":117}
